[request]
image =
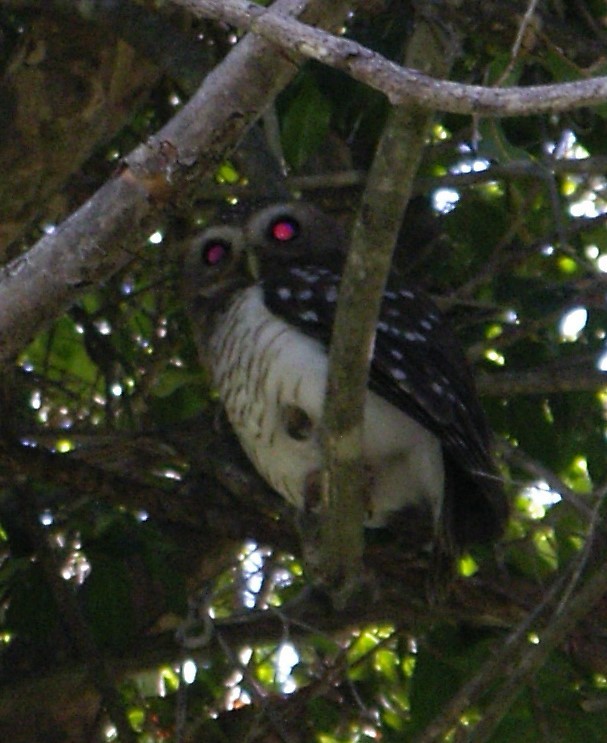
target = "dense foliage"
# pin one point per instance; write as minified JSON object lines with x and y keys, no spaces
{"x":152,"y":588}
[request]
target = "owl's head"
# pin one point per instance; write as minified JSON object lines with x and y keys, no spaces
{"x":216,"y":264}
{"x":282,"y":233}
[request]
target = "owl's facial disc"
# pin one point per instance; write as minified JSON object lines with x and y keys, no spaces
{"x":283,"y":233}
{"x":215,"y":263}
{"x":214,"y":252}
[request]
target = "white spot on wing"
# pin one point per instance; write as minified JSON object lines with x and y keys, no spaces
{"x":331,"y":294}
{"x":307,"y":275}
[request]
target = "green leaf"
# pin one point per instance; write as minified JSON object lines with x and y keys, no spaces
{"x":61,"y":351}
{"x":305,"y":123}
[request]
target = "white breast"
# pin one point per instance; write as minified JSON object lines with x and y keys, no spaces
{"x":261,"y":365}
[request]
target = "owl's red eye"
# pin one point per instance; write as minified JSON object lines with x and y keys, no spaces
{"x":284,"y":229}
{"x":214,"y":252}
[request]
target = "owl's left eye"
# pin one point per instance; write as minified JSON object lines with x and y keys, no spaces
{"x":284,"y":229}
{"x":215,"y":252}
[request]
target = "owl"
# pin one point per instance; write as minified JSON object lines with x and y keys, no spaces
{"x":262,"y":299}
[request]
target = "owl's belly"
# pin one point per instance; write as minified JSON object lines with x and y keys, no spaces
{"x":267,"y":371}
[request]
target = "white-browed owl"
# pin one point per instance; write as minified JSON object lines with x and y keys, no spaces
{"x":262,"y":299}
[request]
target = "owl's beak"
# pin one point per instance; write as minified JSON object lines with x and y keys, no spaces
{"x":252,"y":262}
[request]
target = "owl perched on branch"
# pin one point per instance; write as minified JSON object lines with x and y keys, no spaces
{"x":262,"y":299}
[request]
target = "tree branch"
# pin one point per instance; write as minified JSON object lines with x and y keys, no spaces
{"x":387,"y":193}
{"x":596,"y":165}
{"x":518,"y":660}
{"x":559,"y":626}
{"x":542,"y":381}
{"x":493,"y":669}
{"x":105,"y":233}
{"x":517,"y":457}
{"x":400,"y":85}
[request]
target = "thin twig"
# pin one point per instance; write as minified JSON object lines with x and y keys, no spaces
{"x":596,"y":165}
{"x":493,"y":669}
{"x":545,"y":380}
{"x":558,"y":628}
{"x":516,"y":47}
{"x":400,"y":85}
{"x":257,"y":693}
{"x":584,"y":556}
{"x":564,"y":616}
{"x":537,"y":470}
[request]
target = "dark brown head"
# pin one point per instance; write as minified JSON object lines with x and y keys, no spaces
{"x":282,"y":233}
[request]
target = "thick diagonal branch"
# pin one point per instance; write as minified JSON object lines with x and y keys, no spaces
{"x":105,"y":233}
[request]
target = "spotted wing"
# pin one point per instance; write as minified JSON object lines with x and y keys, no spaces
{"x":420,"y":368}
{"x":417,"y":363}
